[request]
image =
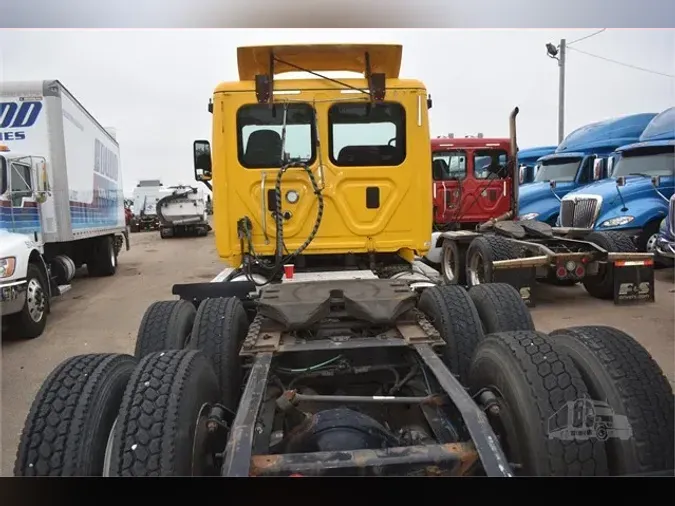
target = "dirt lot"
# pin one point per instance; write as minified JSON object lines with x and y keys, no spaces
{"x":102,"y":315}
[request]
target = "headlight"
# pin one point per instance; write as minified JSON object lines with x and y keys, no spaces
{"x":617,"y":222}
{"x":663,"y":226}
{"x":7,"y":265}
{"x":528,"y":216}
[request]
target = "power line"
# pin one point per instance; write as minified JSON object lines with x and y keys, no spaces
{"x":635,"y":67}
{"x":587,"y":37}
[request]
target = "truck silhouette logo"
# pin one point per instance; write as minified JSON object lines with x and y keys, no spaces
{"x":584,"y":419}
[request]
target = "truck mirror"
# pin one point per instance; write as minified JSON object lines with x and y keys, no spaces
{"x":430,"y":102}
{"x":656,"y":181}
{"x":552,"y":184}
{"x":621,"y":181}
{"x":521,"y":173}
{"x":597,"y":168}
{"x":202,"y":160}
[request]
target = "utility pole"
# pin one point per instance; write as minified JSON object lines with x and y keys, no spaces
{"x":561,"y":92}
{"x":559,"y":53}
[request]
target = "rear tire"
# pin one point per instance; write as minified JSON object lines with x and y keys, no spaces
{"x":166,"y":325}
{"x":453,"y":314}
{"x":155,"y":432}
{"x":501,"y":308}
{"x":67,"y":428}
{"x":619,"y":371}
{"x":601,"y":286}
{"x":534,"y":383}
{"x":219,"y":329}
{"x":102,"y":260}
{"x":481,"y":253}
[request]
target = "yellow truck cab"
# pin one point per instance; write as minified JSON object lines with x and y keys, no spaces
{"x":320,"y":172}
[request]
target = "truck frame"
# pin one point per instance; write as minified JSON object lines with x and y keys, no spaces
{"x":343,"y":371}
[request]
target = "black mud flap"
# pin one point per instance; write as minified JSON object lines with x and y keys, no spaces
{"x":523,"y":279}
{"x":197,"y":292}
{"x":633,"y":283}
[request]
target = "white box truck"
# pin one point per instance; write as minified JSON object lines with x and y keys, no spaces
{"x":61,"y":200}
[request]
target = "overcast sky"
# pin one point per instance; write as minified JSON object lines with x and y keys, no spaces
{"x":153,"y":86}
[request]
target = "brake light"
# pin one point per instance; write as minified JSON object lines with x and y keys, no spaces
{"x":634,"y":263}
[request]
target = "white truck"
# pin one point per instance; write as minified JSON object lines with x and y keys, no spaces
{"x":182,"y":211}
{"x":61,"y":201}
{"x":146,"y":195}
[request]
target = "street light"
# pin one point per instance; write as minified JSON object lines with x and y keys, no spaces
{"x":558,"y":53}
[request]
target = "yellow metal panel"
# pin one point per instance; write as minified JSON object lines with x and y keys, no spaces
{"x":384,"y":58}
{"x":404,"y":219}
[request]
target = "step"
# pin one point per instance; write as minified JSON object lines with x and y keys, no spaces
{"x":63,"y":289}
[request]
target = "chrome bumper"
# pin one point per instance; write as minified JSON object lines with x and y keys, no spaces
{"x":665,"y":248}
{"x":12,"y":297}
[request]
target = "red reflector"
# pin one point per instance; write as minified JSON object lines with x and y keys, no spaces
{"x":561,"y":272}
{"x":580,"y":271}
{"x":295,"y":475}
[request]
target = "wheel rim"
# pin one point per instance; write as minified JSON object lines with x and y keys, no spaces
{"x":476,"y":269}
{"x":504,"y":426}
{"x":35,"y":300}
{"x":203,"y":459}
{"x":108,"y":450}
{"x":650,"y":247}
{"x":448,"y":262}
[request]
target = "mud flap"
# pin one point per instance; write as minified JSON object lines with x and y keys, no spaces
{"x":633,"y":282}
{"x":523,"y":279}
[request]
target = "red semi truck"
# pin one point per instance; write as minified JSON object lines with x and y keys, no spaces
{"x":471,"y":181}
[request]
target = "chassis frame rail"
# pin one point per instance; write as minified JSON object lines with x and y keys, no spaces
{"x":240,"y":461}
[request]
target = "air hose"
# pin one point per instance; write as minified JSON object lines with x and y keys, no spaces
{"x":244,"y":228}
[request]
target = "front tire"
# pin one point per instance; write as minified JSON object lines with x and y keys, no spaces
{"x":31,"y":321}
{"x":453,"y":266}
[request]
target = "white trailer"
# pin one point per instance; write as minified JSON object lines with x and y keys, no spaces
{"x":61,"y":200}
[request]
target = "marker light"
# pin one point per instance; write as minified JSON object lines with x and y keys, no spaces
{"x":292,"y":196}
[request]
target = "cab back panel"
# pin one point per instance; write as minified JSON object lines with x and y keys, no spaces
{"x":372,"y":208}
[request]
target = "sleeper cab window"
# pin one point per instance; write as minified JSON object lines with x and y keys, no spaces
{"x":260,"y":135}
{"x":490,"y":164}
{"x":362,"y":134}
{"x":448,"y":165}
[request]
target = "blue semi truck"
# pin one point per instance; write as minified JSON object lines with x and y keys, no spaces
{"x":635,"y":198}
{"x":582,"y":158}
{"x":527,"y":160}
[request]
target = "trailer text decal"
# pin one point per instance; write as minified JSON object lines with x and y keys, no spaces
{"x":105,"y":161}
{"x":18,"y":117}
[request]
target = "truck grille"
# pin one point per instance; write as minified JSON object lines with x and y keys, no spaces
{"x":578,"y":213}
{"x":671,"y":215}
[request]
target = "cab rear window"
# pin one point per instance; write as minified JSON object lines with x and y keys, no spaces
{"x":366,"y":135}
{"x":260,"y":135}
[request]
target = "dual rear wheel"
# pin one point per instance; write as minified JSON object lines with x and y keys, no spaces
{"x":555,"y":401}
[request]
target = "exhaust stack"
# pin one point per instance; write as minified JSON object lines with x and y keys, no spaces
{"x":514,"y":164}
